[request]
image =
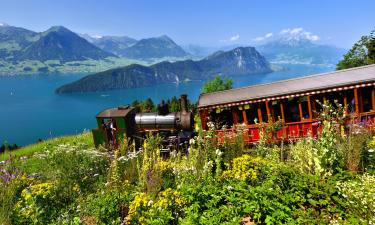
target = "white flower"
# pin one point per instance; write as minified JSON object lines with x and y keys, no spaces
{"x":121,"y":158}
{"x":371,"y":150}
{"x":149,"y":203}
{"x":230,"y":187}
{"x":218,"y":152}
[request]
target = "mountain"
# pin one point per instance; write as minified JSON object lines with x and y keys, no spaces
{"x":113,"y":44}
{"x":299,"y":50}
{"x":239,"y":61}
{"x":59,"y":43}
{"x":13,"y":40}
{"x":203,"y":51}
{"x":157,"y":47}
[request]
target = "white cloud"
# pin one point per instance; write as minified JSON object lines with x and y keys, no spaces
{"x":232,"y":39}
{"x":235,"y":37}
{"x":268,"y":35}
{"x":299,"y":32}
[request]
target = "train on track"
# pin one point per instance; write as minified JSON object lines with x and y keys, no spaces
{"x":293,"y":102}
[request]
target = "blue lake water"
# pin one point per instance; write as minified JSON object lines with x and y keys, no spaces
{"x":30,"y":110}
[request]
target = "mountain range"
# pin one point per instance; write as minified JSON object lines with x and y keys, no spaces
{"x":298,"y":46}
{"x":239,"y":61}
{"x":144,"y":49}
{"x":59,"y":50}
{"x":57,"y":43}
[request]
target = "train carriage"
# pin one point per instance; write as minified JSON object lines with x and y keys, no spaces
{"x":293,"y":101}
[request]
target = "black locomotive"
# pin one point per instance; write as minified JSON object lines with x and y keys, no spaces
{"x":115,"y":124}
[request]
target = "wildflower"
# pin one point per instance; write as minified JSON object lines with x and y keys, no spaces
{"x":371,"y":150}
{"x":218,"y":152}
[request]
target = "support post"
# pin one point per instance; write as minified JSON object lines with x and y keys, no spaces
{"x":245,"y":117}
{"x":260,"y":113}
{"x":203,"y":116}
{"x":373,"y":98}
{"x":282,"y":111}
{"x":309,"y":106}
{"x":268,"y":112}
{"x":234,"y":115}
{"x":346,"y":103}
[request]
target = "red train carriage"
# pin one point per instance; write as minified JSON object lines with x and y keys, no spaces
{"x":293,"y":101}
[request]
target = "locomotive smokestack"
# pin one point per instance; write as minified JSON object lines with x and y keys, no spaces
{"x":183,"y":102}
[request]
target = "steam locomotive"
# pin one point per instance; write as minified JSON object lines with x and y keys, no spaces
{"x":115,"y":124}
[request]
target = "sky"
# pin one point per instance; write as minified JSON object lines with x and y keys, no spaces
{"x":201,"y":22}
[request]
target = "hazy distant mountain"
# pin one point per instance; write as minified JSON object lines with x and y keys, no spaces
{"x":59,"y":43}
{"x":203,"y":51}
{"x":113,"y":44}
{"x":238,"y":61}
{"x":157,"y":47}
{"x":299,"y":50}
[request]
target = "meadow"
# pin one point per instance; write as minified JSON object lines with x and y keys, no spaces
{"x":327,"y":179}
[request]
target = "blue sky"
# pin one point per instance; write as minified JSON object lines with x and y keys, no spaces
{"x":204,"y":22}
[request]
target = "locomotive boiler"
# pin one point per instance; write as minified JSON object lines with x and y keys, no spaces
{"x":114,"y":124}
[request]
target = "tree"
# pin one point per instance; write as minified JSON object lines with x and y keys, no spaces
{"x":362,"y":53}
{"x":137,"y":105}
{"x":148,"y":105}
{"x":217,"y":84}
{"x":174,"y":104}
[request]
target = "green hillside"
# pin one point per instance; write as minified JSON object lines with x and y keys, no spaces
{"x":239,"y":61}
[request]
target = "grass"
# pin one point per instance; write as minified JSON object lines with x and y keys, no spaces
{"x":38,"y":147}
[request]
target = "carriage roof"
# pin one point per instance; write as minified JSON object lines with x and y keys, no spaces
{"x":340,"y":78}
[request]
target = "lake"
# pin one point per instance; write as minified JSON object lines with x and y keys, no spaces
{"x":30,"y":110}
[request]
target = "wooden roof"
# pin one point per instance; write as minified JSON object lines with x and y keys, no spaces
{"x":121,"y":111}
{"x":307,"y":85}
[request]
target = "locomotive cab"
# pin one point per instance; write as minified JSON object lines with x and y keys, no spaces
{"x":122,"y":119}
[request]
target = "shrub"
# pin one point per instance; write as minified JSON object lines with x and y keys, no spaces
{"x":108,"y":207}
{"x":12,"y":183}
{"x":354,"y":149}
{"x":360,"y":196}
{"x":36,"y":205}
{"x":306,"y":157}
{"x":244,"y":168}
{"x":165,"y":209}
{"x":369,"y":156}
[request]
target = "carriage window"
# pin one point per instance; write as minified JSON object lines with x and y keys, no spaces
{"x":275,"y":110}
{"x":222,"y":118}
{"x":335,"y":98}
{"x":263,"y":107}
{"x":239,"y":115}
{"x":365,"y":96}
{"x":305,"y":107}
{"x":350,"y":100}
{"x":252,"y":114}
{"x":292,"y":110}
{"x":316,"y":101}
